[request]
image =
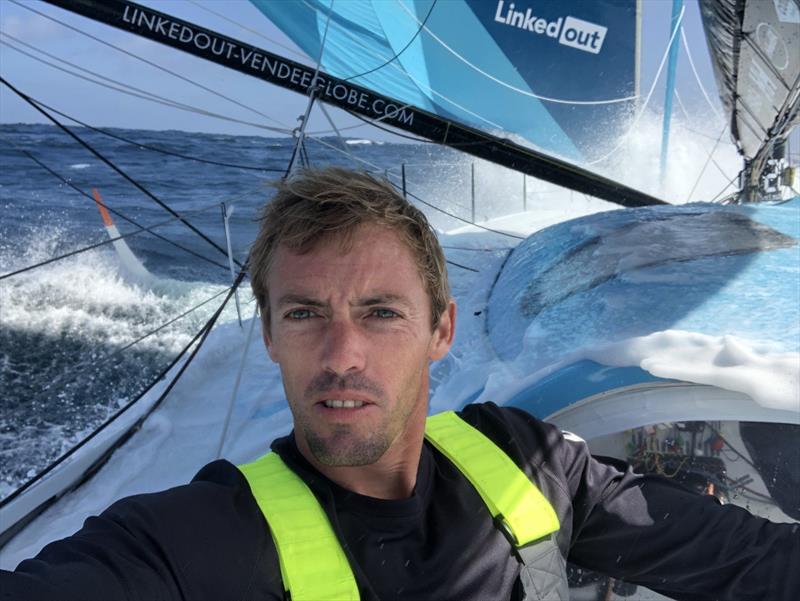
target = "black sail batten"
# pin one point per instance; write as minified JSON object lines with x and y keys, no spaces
{"x":273,"y":68}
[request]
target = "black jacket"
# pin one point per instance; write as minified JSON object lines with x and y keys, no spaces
{"x":209,"y":540}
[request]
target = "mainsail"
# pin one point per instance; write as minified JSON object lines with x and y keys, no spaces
{"x":561,"y":77}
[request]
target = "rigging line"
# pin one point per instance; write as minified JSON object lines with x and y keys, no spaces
{"x":420,"y":85}
{"x":728,"y":185}
{"x":136,"y":184}
{"x":696,"y":76}
{"x":74,"y":66}
{"x":467,"y":221}
{"x":116,"y":212}
{"x":461,"y":266}
{"x":237,"y":382}
{"x":145,"y":95}
{"x":380,"y":170}
{"x":125,"y":217}
{"x":719,"y":168}
{"x":638,"y":117}
{"x":102,"y":426}
{"x":681,"y":105}
{"x":708,"y":160}
{"x":696,"y":132}
{"x":397,"y":54}
{"x":94,"y":364}
{"x":152,"y":64}
{"x":333,"y":125}
{"x":508,"y":85}
{"x":477,"y":249}
{"x":251,"y":30}
{"x":85,"y":249}
{"x":312,"y":93}
{"x":154,"y":148}
{"x":201,"y":336}
{"x":368,"y":122}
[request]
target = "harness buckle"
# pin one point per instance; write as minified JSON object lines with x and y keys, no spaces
{"x":502,"y":525}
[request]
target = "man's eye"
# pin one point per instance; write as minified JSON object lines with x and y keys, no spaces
{"x":300,"y":314}
{"x":384,"y":313}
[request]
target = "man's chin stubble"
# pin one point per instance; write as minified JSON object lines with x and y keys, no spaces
{"x":338,"y":450}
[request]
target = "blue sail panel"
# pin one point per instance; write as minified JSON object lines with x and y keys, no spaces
{"x":560,"y":77}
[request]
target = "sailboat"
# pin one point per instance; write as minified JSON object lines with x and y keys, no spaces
{"x":581,"y":323}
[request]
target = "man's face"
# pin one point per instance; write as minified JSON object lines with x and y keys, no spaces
{"x":352,"y":334}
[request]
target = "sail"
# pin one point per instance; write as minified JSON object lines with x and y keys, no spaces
{"x":755,"y":46}
{"x":558,"y":76}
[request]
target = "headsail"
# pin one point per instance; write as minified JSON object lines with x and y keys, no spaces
{"x":559,"y":76}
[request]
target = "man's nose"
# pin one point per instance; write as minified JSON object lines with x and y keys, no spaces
{"x":344,"y":347}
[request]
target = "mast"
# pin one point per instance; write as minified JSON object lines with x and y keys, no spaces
{"x":672,"y":66}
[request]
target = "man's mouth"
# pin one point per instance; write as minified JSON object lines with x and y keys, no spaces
{"x":343,"y":404}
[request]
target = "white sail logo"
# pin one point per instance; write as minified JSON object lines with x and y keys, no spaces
{"x":569,"y":31}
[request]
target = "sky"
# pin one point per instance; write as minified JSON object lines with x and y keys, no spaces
{"x":107,"y":108}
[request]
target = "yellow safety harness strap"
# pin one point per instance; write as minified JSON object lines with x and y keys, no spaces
{"x":512,"y":498}
{"x":313,"y":563}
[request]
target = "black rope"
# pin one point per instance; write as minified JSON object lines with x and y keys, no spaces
{"x":488,"y":250}
{"x":142,"y":94}
{"x":96,"y":364}
{"x":116,"y":212}
{"x":132,"y":181}
{"x":304,"y":155}
{"x":84,"y":249}
{"x":152,"y":64}
{"x":397,"y":55}
{"x":462,"y":266}
{"x":155,"y":148}
{"x":201,"y":335}
{"x":467,"y":221}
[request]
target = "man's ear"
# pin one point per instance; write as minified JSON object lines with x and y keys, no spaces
{"x":443,"y":333}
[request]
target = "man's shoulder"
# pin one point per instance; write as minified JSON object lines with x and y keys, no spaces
{"x":218,"y":488}
{"x":528,"y":440}
{"x":491,"y":418}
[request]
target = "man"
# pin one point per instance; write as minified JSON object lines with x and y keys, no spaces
{"x":355,"y":305}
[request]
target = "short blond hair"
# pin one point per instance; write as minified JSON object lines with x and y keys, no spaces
{"x":318,"y":204}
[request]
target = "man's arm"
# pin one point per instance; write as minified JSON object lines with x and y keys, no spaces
{"x":646,"y":529}
{"x":651,"y":531}
{"x":206,"y":540}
